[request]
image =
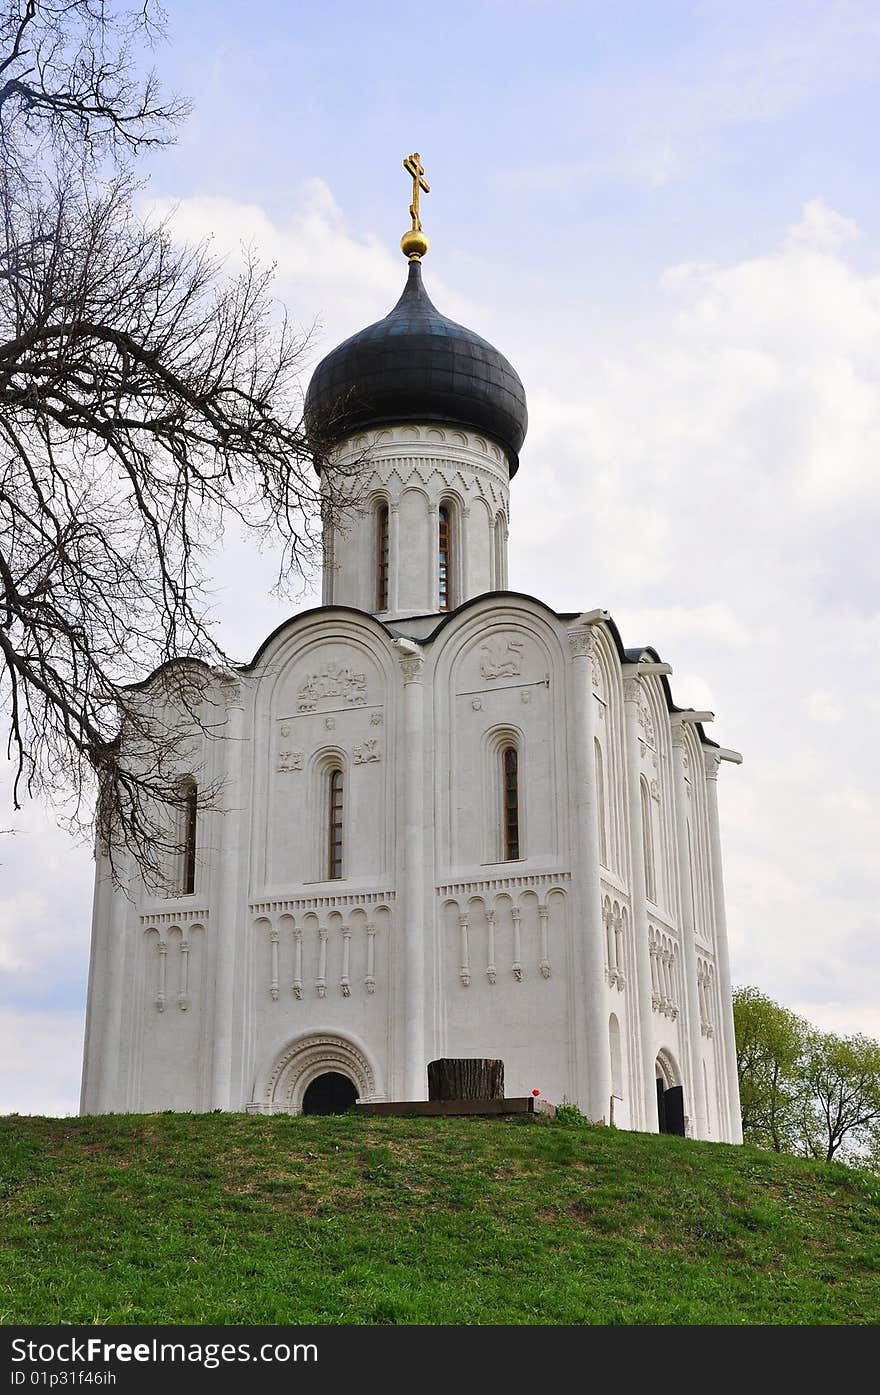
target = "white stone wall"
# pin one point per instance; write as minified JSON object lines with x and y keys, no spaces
{"x":414,"y":471}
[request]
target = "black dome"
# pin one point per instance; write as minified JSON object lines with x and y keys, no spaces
{"x":415,"y":366}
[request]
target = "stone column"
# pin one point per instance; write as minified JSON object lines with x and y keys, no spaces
{"x":462,"y":588}
{"x":434,"y":558}
{"x":393,"y":555}
{"x":687,"y":925}
{"x":226,"y":903}
{"x":110,"y":1099}
{"x":593,"y":1066}
{"x":413,"y":929}
{"x":646,"y":1105}
{"x":712,"y":760}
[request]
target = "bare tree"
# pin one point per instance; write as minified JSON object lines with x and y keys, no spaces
{"x":145,"y":401}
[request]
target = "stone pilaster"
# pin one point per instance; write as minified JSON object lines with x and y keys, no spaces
{"x":647,"y":1112}
{"x":110,"y":1100}
{"x":228,"y":899}
{"x":413,"y":928}
{"x":712,"y":760}
{"x":590,"y":1018}
{"x":697,"y":1101}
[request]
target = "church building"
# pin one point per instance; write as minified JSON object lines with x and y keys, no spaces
{"x":451,"y":822}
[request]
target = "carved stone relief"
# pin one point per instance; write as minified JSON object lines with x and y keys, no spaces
{"x":333,"y":681}
{"x":501,"y":658}
{"x":365,"y":752}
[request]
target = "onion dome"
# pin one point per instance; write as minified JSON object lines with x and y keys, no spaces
{"x":416,"y":366}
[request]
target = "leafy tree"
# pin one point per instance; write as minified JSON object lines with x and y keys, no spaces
{"x":769,"y":1043}
{"x":841,"y":1107}
{"x":145,"y":401}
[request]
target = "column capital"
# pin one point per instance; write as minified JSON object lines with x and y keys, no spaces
{"x":711,"y":762}
{"x":411,"y":659}
{"x":631,"y":688}
{"x":580,"y":642}
{"x":230,"y":687}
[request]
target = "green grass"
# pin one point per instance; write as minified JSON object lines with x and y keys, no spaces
{"x":178,"y":1218}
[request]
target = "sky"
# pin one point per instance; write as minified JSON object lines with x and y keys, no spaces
{"x":667,"y":216}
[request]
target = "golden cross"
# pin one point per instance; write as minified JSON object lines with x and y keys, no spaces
{"x":413,"y":165}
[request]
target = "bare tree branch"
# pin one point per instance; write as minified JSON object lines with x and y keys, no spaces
{"x":146,"y":401}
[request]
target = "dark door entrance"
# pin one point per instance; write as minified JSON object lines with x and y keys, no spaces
{"x":670,"y":1108}
{"x":331,"y":1093}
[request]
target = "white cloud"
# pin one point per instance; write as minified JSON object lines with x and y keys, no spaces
{"x":322,"y":271}
{"x":821,"y":227}
{"x":825,"y":707}
{"x":844,"y":1019}
{"x":40,"y":1062}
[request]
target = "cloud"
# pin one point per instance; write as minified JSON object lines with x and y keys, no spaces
{"x":40,"y":1062}
{"x":325,"y":274}
{"x":740,"y":67}
{"x":821,"y":227}
{"x":825,"y":707}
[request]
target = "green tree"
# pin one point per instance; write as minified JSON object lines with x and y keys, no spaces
{"x":769,"y":1045}
{"x":841,"y":1099}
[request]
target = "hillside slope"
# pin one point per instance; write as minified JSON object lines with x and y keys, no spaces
{"x":176,"y":1218}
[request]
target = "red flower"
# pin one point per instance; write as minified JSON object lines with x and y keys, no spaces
{"x":536,"y":1092}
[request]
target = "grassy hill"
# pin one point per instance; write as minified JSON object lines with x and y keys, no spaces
{"x":177,"y":1218}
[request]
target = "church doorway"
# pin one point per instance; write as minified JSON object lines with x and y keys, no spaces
{"x":330,"y":1093}
{"x":670,"y":1101}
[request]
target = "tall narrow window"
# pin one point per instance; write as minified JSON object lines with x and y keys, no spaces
{"x":600,"y":804}
{"x":334,"y":839}
{"x":445,"y":558}
{"x":382,"y":557}
{"x":510,"y":769}
{"x":188,"y":821}
{"x":648,"y":843}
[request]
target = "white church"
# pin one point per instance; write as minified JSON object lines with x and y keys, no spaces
{"x":453,"y":822}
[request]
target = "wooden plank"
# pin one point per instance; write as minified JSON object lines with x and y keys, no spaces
{"x":526,"y":1104}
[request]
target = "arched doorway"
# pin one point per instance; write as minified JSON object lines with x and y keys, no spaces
{"x":670,"y":1097}
{"x":282,"y":1083}
{"x":330,"y":1093}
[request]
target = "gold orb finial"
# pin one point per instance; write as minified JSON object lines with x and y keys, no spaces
{"x":414,"y":243}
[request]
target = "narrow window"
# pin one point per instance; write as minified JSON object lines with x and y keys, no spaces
{"x":382,"y":558}
{"x":600,"y":804}
{"x":445,"y":559}
{"x":188,"y":824}
{"x":648,"y":843}
{"x":334,"y":841}
{"x":510,"y":768}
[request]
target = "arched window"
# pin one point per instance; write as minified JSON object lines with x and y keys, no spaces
{"x":382,"y":557}
{"x":444,"y":543}
{"x":334,"y":825}
{"x":187,"y":825}
{"x":601,"y":815}
{"x":510,"y":788}
{"x":648,"y":843}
